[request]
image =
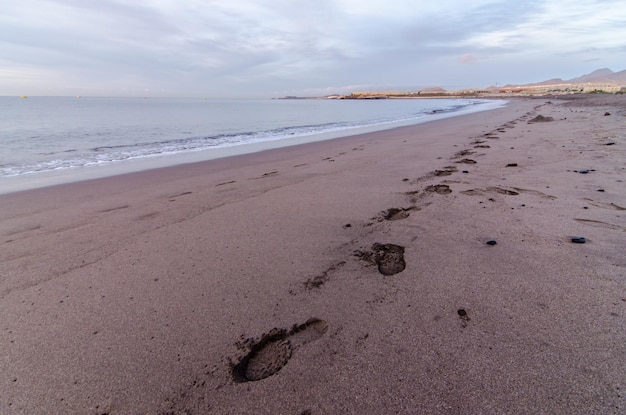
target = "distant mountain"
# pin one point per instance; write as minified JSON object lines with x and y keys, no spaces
{"x":619,"y":77}
{"x":599,"y":76}
{"x":599,"y":81}
{"x":593,"y":76}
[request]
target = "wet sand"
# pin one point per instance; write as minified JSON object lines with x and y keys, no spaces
{"x":426,"y":269}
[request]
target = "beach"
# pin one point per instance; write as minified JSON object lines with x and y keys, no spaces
{"x":428,"y":269}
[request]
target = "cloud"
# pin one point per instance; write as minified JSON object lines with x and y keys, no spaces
{"x":201,"y":47}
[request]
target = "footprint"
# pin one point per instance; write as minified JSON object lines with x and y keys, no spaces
{"x":467,"y":161}
{"x":268,"y":360}
{"x":318,"y":281}
{"x":515,"y":192}
{"x":389,"y":258}
{"x":535,"y":193}
{"x":463,"y":153}
{"x":473,"y":192}
{"x":272,"y":352}
{"x":442,"y":189}
{"x":540,"y":118}
{"x":393,"y":214}
{"x":447,"y":171}
{"x":503,"y":191}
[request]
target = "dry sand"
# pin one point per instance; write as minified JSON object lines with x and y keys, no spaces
{"x":345,"y":277}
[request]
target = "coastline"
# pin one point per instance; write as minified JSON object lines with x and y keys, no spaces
{"x":83,"y":168}
{"x":137,"y":293}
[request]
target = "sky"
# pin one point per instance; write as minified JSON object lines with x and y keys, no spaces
{"x":272,"y":48}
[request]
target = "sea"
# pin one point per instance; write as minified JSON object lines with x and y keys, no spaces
{"x":51,"y":140}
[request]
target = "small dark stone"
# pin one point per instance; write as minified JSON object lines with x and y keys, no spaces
{"x":585,"y":207}
{"x":463,"y":316}
{"x":512,"y":165}
{"x":491,"y":242}
{"x":579,"y":240}
{"x":583,"y":171}
{"x":600,"y":190}
{"x":465,"y":171}
{"x":347,"y":225}
{"x":610,"y":143}
{"x":606,"y":114}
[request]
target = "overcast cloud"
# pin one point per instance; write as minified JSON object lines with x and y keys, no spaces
{"x":252,"y":48}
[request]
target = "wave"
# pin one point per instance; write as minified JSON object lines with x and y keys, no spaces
{"x":107,"y":154}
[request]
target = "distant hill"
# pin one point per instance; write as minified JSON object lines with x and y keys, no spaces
{"x":599,"y":81}
{"x":599,"y":76}
{"x":604,"y":73}
{"x":433,"y":89}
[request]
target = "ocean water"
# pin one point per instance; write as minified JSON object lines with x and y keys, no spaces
{"x":41,"y":137}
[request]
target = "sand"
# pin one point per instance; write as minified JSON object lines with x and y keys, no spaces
{"x":352,"y":276}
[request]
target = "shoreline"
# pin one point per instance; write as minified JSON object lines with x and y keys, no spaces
{"x":366,"y":259}
{"x":9,"y":184}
